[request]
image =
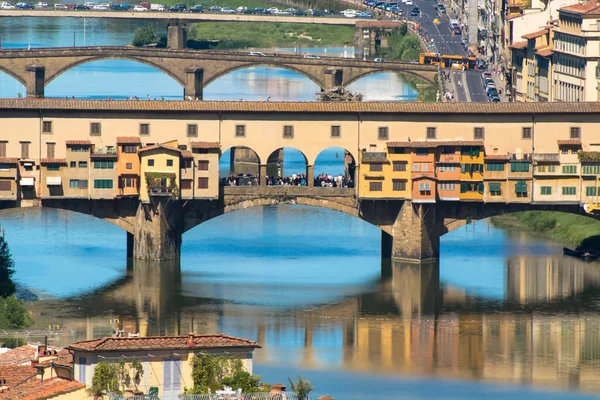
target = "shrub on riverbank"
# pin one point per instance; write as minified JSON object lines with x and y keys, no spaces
{"x":576,"y":230}
{"x":239,"y":35}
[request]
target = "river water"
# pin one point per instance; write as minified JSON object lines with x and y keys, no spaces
{"x":501,"y":315}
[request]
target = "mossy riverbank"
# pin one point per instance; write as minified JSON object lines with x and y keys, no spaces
{"x":569,"y":229}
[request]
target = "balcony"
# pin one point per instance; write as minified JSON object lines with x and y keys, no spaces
{"x":546,"y":158}
{"x":519,"y":156}
{"x":449,"y":159}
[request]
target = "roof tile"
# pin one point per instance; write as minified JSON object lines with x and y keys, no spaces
{"x":591,"y":8}
{"x":567,"y":142}
{"x":37,"y":389}
{"x":112,"y":156}
{"x":15,"y":374}
{"x":53,"y":161}
{"x":496,"y":157}
{"x":435,"y":143}
{"x":163,"y":343}
{"x":78,"y":142}
{"x":129,"y":140}
{"x":205,"y":145}
{"x":186,"y":154}
{"x":8,"y":160}
{"x":518,"y":45}
{"x":534,"y":35}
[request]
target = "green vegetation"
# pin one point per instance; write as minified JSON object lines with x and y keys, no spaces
{"x":404,"y":46}
{"x":146,"y":36}
{"x":426,"y":92}
{"x":306,"y":4}
{"x":301,"y":387}
{"x":13,"y":314}
{"x":589,"y":156}
{"x":115,"y":377}
{"x":212,"y":372}
{"x":13,"y":343}
{"x":267,"y":34}
{"x":7,"y":270}
{"x":572,"y":229}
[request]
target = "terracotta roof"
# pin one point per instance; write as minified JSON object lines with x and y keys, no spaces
{"x":78,"y":142}
{"x":163,"y":343}
{"x":186,"y":154}
{"x":129,"y":139}
{"x":15,"y":374}
{"x":36,"y":389}
{"x":7,"y":160}
{"x":567,"y":142}
{"x":391,"y":107}
{"x":513,"y":16}
{"x":496,"y":157}
{"x":424,"y":176}
{"x":591,"y":8}
{"x":104,"y":155}
{"x":518,"y":45}
{"x":53,"y":161}
{"x":534,"y":35}
{"x":158,"y":146}
{"x":546,"y":52}
{"x":435,"y":143}
{"x":205,"y":145}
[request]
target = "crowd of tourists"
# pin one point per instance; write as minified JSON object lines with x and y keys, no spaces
{"x":323,"y":180}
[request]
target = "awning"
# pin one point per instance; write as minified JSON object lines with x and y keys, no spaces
{"x":521,"y":187}
{"x":53,"y":180}
{"x":494,"y":187}
{"x":27,"y":182}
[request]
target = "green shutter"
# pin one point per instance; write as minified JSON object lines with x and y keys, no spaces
{"x":590,"y":191}
{"x":463,"y":187}
{"x":494,"y":187}
{"x":480,"y":188}
{"x":521,"y":187}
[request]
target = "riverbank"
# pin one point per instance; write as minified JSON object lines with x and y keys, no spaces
{"x":240,"y":35}
{"x":569,"y":229}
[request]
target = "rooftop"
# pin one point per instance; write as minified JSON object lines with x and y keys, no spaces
{"x":534,"y":35}
{"x":519,"y":46}
{"x":129,"y":140}
{"x":78,"y":142}
{"x":569,"y":142}
{"x":53,"y":161}
{"x":99,"y":106}
{"x":112,"y":156}
{"x":37,"y":389}
{"x":545,"y":52}
{"x":496,"y":157}
{"x":15,"y":374}
{"x":435,"y":143}
{"x":588,"y":9}
{"x":197,"y":342}
{"x":205,"y":145}
{"x":7,"y":160}
{"x":158,"y":146}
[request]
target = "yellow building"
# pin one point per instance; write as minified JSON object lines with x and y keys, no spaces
{"x":52,"y":172}
{"x":495,"y":177}
{"x":205,"y":155}
{"x":9,"y":172}
{"x":166,"y":361}
{"x":471,"y":171}
{"x":160,"y":170}
{"x":590,"y":173}
{"x":374,"y":167}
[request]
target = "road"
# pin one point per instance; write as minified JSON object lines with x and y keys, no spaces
{"x":440,"y":33}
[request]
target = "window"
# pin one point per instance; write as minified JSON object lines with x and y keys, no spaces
{"x":521,"y":189}
{"x":202,"y":165}
{"x":375,"y":167}
{"x":47,"y":127}
{"x":470,"y":151}
{"x":3,"y":149}
{"x":422,"y":152}
{"x":336,"y":131}
{"x":192,"y":130}
{"x":127,"y":182}
{"x":471,"y":187}
{"x":431,"y":132}
{"x":25,"y":150}
{"x":471,"y":168}
{"x":5,"y":185}
{"x":186,"y":184}
{"x":569,"y":169}
{"x":575,"y":132}
{"x":425,"y":188}
{"x":447,"y":186}
{"x":519,"y":167}
{"x":171,"y":376}
{"x":84,"y":164}
{"x":383,"y":133}
{"x":288,"y":132}
{"x":53,"y":167}
{"x":415,"y":167}
{"x":79,"y":149}
{"x":546,"y":168}
{"x":399,"y":166}
{"x":478,"y":133}
{"x":546,"y":190}
{"x":129,"y":166}
{"x":169,"y":163}
{"x":569,"y":190}
{"x":495,"y":189}
{"x":95,"y":129}
{"x":447,"y":168}
{"x":424,"y":167}
{"x":144,"y":129}
{"x":202,"y":183}
{"x":151,"y":162}
{"x":526,"y":133}
{"x":103,"y":184}
{"x":50,"y":149}
{"x":591,"y":169}
{"x":130,"y":148}
{"x":497,"y":167}
{"x":398,"y":186}
{"x":187,"y":164}
{"x":102,"y":164}
{"x":82,"y":368}
{"x":4,"y":167}
{"x":73,"y":164}
{"x":590,"y":191}
{"x":375,"y":186}
{"x":78,"y":184}
{"x":240,"y":131}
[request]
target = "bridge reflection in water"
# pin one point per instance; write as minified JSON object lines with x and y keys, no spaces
{"x":407,"y":323}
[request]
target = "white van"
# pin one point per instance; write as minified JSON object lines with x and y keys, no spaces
{"x":453,"y":24}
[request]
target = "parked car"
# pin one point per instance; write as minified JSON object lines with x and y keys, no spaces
{"x":215,"y":8}
{"x":25,"y":6}
{"x":139,"y":8}
{"x":495,"y":99}
{"x":408,"y":2}
{"x":41,"y":4}
{"x":116,"y":7}
{"x":379,"y":60}
{"x":256,"y":53}
{"x":315,"y":13}
{"x":6,"y":6}
{"x":98,"y":7}
{"x":241,"y":9}
{"x":271,"y":10}
{"x":178,"y":8}
{"x":81,"y":7}
{"x":227,"y":10}
{"x":300,"y":13}
{"x":457,"y":31}
{"x":311,"y":56}
{"x":415,"y":12}
{"x":280,"y":12}
{"x":60,"y":7}
{"x":258,"y":10}
{"x":364,"y":14}
{"x":196,"y":9}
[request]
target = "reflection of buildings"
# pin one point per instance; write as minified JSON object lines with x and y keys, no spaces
{"x":408,"y":325}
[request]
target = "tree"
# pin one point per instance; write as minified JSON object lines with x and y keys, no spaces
{"x":243,"y":380}
{"x":144,"y":36}
{"x":13,"y":314}
{"x":404,"y":29}
{"x":302,"y":388}
{"x":7,"y":269}
{"x":211,"y":371}
{"x":112,"y":377}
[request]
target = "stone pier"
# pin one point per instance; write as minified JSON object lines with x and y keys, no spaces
{"x":157,"y":230}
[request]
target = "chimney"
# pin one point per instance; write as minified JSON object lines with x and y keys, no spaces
{"x":190,"y":340}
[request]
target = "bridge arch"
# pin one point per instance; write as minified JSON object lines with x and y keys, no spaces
{"x":239,"y":159}
{"x":335,"y":161}
{"x":142,"y":60}
{"x":414,"y":74}
{"x":287,"y":161}
{"x":319,"y":81}
{"x":13,"y":75}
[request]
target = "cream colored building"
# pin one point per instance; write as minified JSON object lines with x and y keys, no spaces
{"x":166,"y":361}
{"x":162,"y":161}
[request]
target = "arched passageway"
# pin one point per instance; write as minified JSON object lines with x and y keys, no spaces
{"x":262,"y":83}
{"x":334,"y":167}
{"x":114,"y":78}
{"x":287,"y":166}
{"x":239,"y":166}
{"x":384,"y":86}
{"x":10,"y":87}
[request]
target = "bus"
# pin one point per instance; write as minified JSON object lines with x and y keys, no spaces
{"x":448,"y":61}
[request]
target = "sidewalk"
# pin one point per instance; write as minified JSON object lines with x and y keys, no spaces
{"x":499,"y":81}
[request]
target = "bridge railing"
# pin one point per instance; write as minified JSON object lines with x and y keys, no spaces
{"x":291,"y":191}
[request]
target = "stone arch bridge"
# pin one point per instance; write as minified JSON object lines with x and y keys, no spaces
{"x":193,"y":70}
{"x":410,"y":230}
